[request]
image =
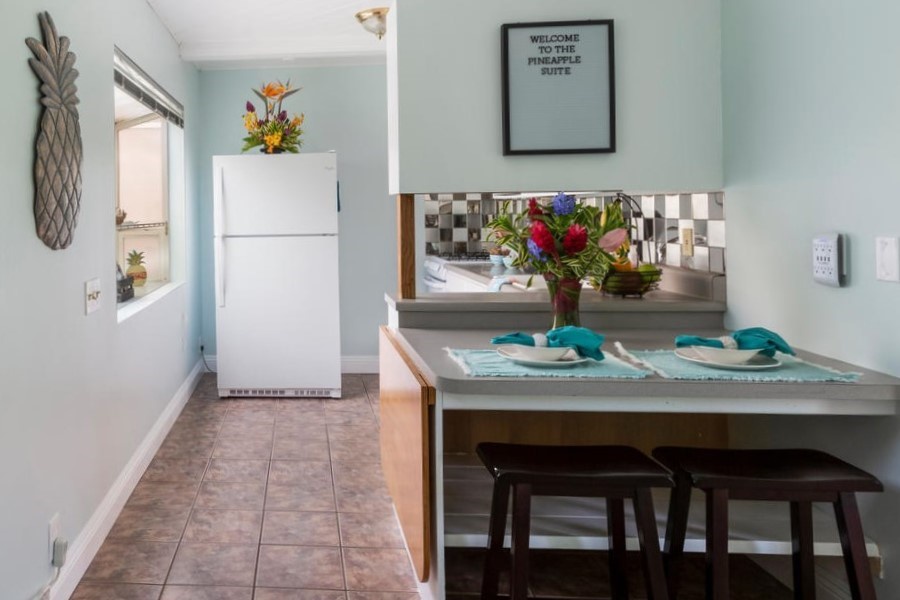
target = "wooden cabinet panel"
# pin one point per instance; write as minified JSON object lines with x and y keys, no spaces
{"x":463,"y":430}
{"x":405,"y":398}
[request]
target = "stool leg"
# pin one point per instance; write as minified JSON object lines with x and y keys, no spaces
{"x":648,"y":536}
{"x":802,"y":551}
{"x":859,"y":575}
{"x":496,"y":532}
{"x":676,"y":528}
{"x":521,"y":530}
{"x":615,"y":522}
{"x":717,"y":544}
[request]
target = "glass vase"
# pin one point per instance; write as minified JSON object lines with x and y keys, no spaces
{"x":565,"y":293}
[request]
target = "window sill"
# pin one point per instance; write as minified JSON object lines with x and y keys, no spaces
{"x":129,"y":308}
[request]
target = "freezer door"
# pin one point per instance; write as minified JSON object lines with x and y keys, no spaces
{"x":278,"y":318}
{"x":283,"y":194}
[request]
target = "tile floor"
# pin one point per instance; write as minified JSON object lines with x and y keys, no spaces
{"x":262,"y":499}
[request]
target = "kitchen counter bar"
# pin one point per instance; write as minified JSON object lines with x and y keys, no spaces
{"x":433,"y":416}
{"x":873,"y":394}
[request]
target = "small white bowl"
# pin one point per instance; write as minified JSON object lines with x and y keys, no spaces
{"x":542,"y":353}
{"x":725,"y":356}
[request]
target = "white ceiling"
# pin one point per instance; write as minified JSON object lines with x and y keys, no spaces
{"x":221,"y":34}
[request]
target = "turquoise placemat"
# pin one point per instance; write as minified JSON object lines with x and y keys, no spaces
{"x":487,"y":363}
{"x":665,"y":364}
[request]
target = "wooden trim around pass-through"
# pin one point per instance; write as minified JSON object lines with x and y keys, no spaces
{"x":406,"y":246}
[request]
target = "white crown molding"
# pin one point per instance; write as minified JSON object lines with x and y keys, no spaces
{"x":91,"y":537}
{"x":238,"y":54}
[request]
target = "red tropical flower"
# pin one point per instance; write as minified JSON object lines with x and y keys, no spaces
{"x":543,"y":238}
{"x":575,"y":240}
{"x":534,"y":208}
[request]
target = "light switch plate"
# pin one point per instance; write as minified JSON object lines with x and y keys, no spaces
{"x":887,"y":259}
{"x":91,"y":296}
{"x":828,"y":259}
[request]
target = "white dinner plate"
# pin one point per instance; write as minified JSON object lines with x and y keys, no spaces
{"x":528,"y":362}
{"x":760,"y":362}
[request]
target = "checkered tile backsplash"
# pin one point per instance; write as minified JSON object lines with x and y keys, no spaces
{"x":457,"y":224}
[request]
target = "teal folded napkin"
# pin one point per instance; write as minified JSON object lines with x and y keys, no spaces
{"x":584,"y":341}
{"x":752,"y":338}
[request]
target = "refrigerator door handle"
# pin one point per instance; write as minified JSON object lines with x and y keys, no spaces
{"x":219,"y":223}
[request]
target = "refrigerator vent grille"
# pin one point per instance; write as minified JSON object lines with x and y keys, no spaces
{"x":292,"y":393}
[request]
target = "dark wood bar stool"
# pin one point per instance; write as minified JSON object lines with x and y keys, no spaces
{"x":611,"y":472}
{"x":798,"y":476}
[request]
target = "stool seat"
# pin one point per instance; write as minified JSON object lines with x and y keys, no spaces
{"x":797,"y":476}
{"x":615,"y":473}
{"x":604,"y":465}
{"x":780,"y":469}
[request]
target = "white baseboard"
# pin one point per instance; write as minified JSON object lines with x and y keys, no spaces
{"x":349,"y":364}
{"x":89,"y":540}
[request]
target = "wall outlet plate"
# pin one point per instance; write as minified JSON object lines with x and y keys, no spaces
{"x":887,"y":259}
{"x":687,"y":242}
{"x":828,"y":259}
{"x":91,"y":295}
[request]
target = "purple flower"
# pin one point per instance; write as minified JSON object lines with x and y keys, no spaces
{"x":282,"y":116}
{"x":535,"y":250}
{"x":563,"y":205}
{"x":250,"y":107}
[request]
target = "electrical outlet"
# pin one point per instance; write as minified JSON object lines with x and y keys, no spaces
{"x":54,"y":529}
{"x":828,"y":259}
{"x":91,"y":296}
{"x":887,"y":259}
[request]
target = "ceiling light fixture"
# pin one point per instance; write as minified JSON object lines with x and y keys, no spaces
{"x":374,"y":20}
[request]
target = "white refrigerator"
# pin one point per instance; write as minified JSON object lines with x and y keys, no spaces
{"x":276,"y":275}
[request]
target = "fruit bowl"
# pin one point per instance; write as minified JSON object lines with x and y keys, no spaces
{"x":631,"y":283}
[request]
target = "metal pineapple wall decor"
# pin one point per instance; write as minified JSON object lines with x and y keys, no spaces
{"x":57,"y":161}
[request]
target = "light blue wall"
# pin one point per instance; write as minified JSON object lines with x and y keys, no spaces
{"x":77,"y":393}
{"x":811,"y":103}
{"x":668,"y":98}
{"x":345,"y":111}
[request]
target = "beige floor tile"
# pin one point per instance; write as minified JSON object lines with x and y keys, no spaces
{"x":290,"y":447}
{"x":150,"y":524}
{"x":283,"y":472}
{"x":152,"y":494}
{"x":237,"y":447}
{"x":126,"y":561}
{"x":386,"y":596}
{"x":355,"y":450}
{"x":237,"y":471}
{"x":301,"y":428}
{"x":193,"y":592}
{"x":236,"y":496}
{"x":300,"y":528}
{"x":228,"y":565}
{"x":175,"y":470}
{"x":370,"y":530}
{"x":116,"y":591}
{"x":376,"y":569}
{"x":300,"y":567}
{"x":224,"y":526}
{"x":315,"y":497}
{"x":283,"y":594}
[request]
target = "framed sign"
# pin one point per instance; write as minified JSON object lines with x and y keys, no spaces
{"x":558,"y":87}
